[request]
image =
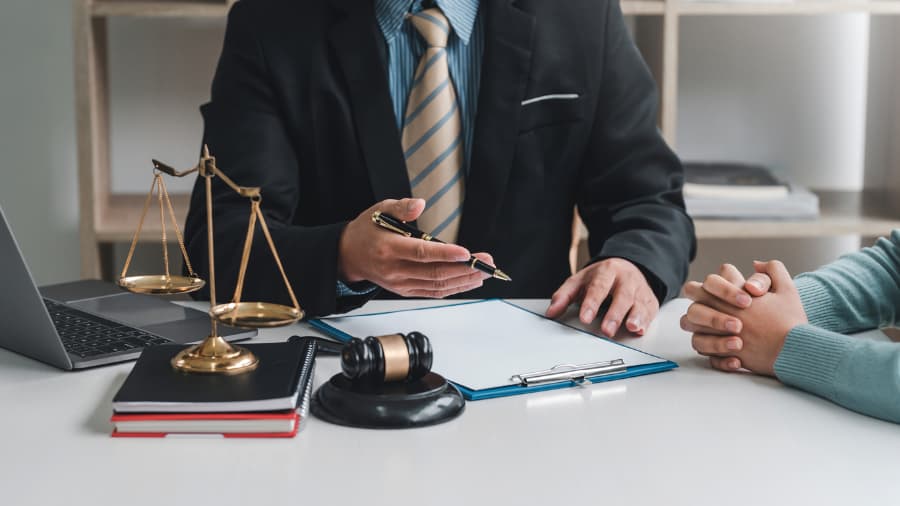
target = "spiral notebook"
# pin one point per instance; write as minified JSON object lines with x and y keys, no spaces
{"x":492,"y":348}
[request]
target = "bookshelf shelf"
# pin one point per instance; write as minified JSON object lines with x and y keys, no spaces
{"x":175,"y":9}
{"x":865,"y":213}
{"x":113,"y":8}
{"x":781,"y":8}
{"x":119,"y":217}
{"x":643,"y":8}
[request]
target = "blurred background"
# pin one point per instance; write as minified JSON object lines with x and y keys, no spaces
{"x":806,"y":89}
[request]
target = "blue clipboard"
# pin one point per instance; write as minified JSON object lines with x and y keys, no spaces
{"x":565,"y":376}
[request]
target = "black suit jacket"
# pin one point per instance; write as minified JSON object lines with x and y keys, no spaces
{"x":300,"y":106}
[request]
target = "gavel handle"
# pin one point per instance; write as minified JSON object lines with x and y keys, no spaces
{"x":324,"y":346}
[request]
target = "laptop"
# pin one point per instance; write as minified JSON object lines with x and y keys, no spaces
{"x":88,"y":323}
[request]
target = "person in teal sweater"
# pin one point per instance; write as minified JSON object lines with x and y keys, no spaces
{"x":794,"y":329}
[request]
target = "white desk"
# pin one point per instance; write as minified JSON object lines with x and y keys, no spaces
{"x":690,"y":436}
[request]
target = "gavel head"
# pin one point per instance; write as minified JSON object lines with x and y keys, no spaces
{"x":382,"y":359}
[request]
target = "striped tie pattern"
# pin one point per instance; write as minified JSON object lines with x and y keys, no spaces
{"x":432,"y":132}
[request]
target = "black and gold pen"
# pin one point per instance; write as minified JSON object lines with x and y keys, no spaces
{"x":401,"y":227}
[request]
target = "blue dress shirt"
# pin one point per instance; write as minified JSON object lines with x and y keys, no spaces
{"x":464,"y":54}
{"x":404,"y":48}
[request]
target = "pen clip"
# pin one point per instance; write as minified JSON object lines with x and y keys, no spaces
{"x":381,"y":222}
{"x":577,"y":374}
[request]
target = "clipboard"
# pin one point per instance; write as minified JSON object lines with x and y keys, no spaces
{"x":493,"y":348}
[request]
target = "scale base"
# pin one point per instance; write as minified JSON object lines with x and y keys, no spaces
{"x":214,"y":355}
{"x":429,"y":400}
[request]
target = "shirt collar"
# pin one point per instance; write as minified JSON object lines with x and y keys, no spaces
{"x":460,"y":13}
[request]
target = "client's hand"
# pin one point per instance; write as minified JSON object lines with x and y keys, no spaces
{"x":736,"y":331}
{"x":403,"y":265}
{"x":730,"y":287}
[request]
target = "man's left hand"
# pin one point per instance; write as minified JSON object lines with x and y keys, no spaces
{"x":617,"y":278}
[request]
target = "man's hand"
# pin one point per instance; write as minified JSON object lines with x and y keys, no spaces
{"x":614,"y":277}
{"x":735,"y":332}
{"x":403,"y":265}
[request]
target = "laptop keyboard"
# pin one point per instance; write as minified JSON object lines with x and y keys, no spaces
{"x":86,"y":335}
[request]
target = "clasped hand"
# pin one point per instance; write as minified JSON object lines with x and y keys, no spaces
{"x":742,"y":323}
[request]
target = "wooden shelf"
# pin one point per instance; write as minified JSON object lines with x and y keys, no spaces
{"x":194,"y":9}
{"x":118,"y":219}
{"x":113,"y":8}
{"x":788,"y":7}
{"x":643,"y":8}
{"x":868,"y":214}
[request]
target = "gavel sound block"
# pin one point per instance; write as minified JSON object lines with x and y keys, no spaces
{"x":387,"y":383}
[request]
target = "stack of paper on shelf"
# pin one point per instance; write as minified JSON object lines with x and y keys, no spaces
{"x":270,"y":401}
{"x":741,"y":191}
{"x":746,"y":1}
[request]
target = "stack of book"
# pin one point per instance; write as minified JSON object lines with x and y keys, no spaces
{"x":741,"y":191}
{"x":270,"y":401}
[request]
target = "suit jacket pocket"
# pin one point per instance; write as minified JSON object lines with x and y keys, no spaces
{"x":551,"y":109}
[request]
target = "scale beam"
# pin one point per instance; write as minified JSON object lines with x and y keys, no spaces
{"x":214,"y":354}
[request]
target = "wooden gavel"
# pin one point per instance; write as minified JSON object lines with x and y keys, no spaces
{"x":389,"y":358}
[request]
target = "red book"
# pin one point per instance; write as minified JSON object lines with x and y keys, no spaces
{"x":265,"y":424}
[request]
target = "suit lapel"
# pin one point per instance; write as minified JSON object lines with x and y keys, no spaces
{"x":504,"y":77}
{"x":356,"y":40}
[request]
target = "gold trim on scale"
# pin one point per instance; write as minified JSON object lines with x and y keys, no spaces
{"x":214,"y":354}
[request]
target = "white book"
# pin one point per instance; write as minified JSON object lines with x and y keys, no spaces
{"x":798,"y":203}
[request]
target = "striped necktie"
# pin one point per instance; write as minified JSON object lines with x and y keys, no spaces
{"x":432,"y":132}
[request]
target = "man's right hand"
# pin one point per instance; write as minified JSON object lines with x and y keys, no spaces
{"x":403,"y":265}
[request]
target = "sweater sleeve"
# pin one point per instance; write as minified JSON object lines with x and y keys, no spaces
{"x":858,"y":291}
{"x":859,"y":374}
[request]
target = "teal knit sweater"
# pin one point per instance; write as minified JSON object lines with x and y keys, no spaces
{"x":857,"y":292}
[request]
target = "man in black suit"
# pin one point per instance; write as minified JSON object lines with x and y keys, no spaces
{"x":305,"y":105}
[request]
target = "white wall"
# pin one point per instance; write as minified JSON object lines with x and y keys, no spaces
{"x":37,"y":135}
{"x":788,"y":92}
{"x":883,"y":112}
{"x":160,"y":73}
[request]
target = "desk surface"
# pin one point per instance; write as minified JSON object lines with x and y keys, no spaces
{"x":689,"y":436}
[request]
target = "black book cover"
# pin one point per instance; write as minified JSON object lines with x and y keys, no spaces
{"x":154,"y":386}
{"x":731,"y":174}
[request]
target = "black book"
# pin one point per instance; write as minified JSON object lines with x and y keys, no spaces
{"x":283,"y":374}
{"x":731,"y":180}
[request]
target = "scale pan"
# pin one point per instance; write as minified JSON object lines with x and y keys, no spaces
{"x":161,"y":284}
{"x":255,"y":314}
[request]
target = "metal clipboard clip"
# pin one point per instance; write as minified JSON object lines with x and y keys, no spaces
{"x":578,"y":374}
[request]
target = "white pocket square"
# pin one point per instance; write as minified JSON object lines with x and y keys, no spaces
{"x":555,"y":96}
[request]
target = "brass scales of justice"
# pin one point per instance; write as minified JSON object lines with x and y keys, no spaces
{"x":213,"y":354}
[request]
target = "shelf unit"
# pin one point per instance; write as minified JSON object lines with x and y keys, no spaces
{"x":110,"y":218}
